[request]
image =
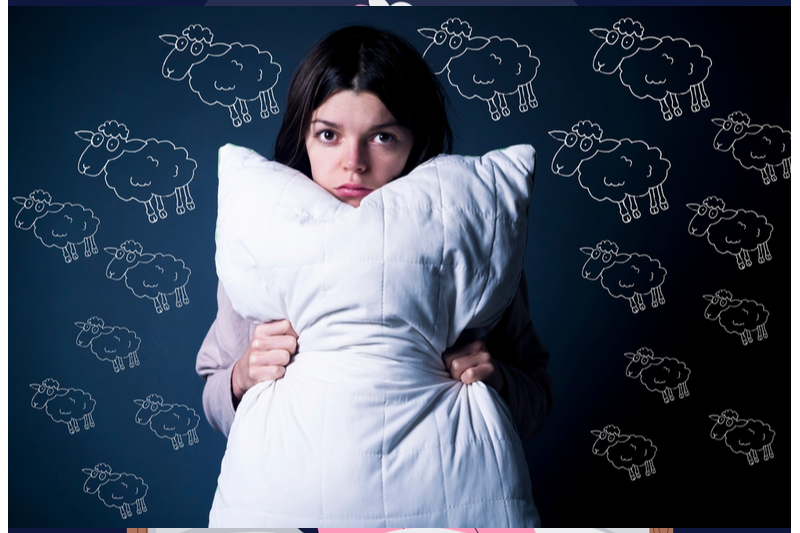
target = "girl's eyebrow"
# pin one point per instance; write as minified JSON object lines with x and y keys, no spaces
{"x":334,"y":125}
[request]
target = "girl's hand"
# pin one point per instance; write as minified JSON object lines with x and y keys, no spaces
{"x":472,"y":362}
{"x":266,"y":357}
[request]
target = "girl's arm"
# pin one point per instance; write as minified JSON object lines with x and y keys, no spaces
{"x":522,"y":359}
{"x":226,"y":340}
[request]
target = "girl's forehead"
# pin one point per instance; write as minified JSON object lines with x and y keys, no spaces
{"x":353,"y":108}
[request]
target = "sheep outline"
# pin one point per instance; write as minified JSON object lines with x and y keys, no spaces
{"x":58,"y":225}
{"x":116,"y":489}
{"x":195,"y":42}
{"x":761,"y":147}
{"x":109,"y":343}
{"x":625,"y":452}
{"x":658,"y":374}
{"x":746,"y":436}
{"x":617,"y":163}
{"x":737,"y":316}
{"x":66,"y":406}
{"x":147,"y":283}
{"x":488,"y":54}
{"x":731,"y":231}
{"x":635,"y":275}
{"x":641,"y":54}
{"x":129,"y":176}
{"x":168,"y":420}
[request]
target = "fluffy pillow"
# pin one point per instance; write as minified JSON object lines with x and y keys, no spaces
{"x":439,"y":250}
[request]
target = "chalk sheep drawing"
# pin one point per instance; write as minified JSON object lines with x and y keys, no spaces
{"x":226,"y":74}
{"x":145,"y":171}
{"x":658,"y":374}
{"x":745,"y":436}
{"x":625,"y":452}
{"x":624,"y":275}
{"x":109,"y":343}
{"x":737,"y":316}
{"x":67,"y":406}
{"x":149,"y":275}
{"x":659,"y":68}
{"x":484,"y":68}
{"x":616,"y":170}
{"x":116,"y":489}
{"x":731,"y":231}
{"x":58,"y":225}
{"x":762,"y":147}
{"x":168,"y":420}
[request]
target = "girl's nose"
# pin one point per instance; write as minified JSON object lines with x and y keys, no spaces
{"x":355,"y":158}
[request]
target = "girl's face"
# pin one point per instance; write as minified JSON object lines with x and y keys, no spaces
{"x":355,"y":145}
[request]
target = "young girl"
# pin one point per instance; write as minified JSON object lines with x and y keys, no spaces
{"x":363,"y":110}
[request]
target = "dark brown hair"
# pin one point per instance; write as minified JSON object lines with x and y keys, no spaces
{"x":361,"y":58}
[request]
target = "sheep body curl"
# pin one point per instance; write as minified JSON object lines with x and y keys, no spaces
{"x":746,"y":436}
{"x":109,"y":343}
{"x":658,"y":374}
{"x":625,"y":452}
{"x":761,"y":147}
{"x":224,"y":74}
{"x":58,"y":225}
{"x":731,"y":231}
{"x":168,"y":420}
{"x":737,"y":316}
{"x":146,"y":171}
{"x":64,"y":405}
{"x":116,"y":489}
{"x":149,"y":275}
{"x":484,"y":68}
{"x":624,"y":275}
{"x":619,"y":171}
{"x":660,"y":69}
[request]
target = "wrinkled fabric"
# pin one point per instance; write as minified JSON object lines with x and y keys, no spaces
{"x":367,"y":428}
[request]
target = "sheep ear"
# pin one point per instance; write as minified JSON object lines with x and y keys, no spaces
{"x":587,"y":250}
{"x":629,"y":355}
{"x":600,"y":33}
{"x":693,"y":207}
{"x":114,"y":477}
{"x":110,"y":249}
{"x":20,"y":200}
{"x":596,"y":432}
{"x":146,"y":258}
{"x":138,"y":402}
{"x":755,"y":128}
{"x":134,"y":145}
{"x":715,"y":418}
{"x":168,"y":38}
{"x":217,"y":49}
{"x":87,"y":471}
{"x":558,"y":135}
{"x":35,"y":386}
{"x":106,"y":330}
{"x":428,"y":33}
{"x":607,"y":145}
{"x":85,"y":135}
{"x":80,"y":324}
{"x":648,"y":43}
{"x":718,"y":121}
{"x":708,"y":297}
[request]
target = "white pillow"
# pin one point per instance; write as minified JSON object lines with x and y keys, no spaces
{"x":440,"y":249}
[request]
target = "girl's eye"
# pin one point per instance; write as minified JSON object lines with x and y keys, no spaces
{"x":384,"y":138}
{"x":327,"y":135}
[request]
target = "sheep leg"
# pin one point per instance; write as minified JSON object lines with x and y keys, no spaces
{"x":91,"y":420}
{"x":636,"y":469}
{"x":70,"y":428}
{"x":652,"y":466}
{"x":651,"y":193}
{"x":767,"y":255}
{"x":503,"y":104}
{"x":764,"y":176}
{"x":653,"y":298}
{"x":660,"y":295}
{"x":762,"y":331}
{"x":179,"y":201}
{"x":122,"y":512}
{"x":151,"y":213}
{"x":671,"y":397}
{"x":174,"y":441}
{"x":73,"y":251}
{"x":157,"y":303}
{"x":164,"y":303}
{"x":685,"y":389}
{"x":676,"y":106}
{"x":532,"y":97}
{"x":760,"y":250}
{"x":273,"y":104}
{"x":640,"y":301}
{"x":234,"y":115}
{"x":67,"y":255}
{"x":183,"y":292}
{"x":130,"y":360}
{"x":138,"y":507}
{"x":178,"y":302}
{"x":162,"y":213}
{"x":86,"y":422}
{"x":634,"y":206}
{"x":87,"y":250}
{"x":787,"y":170}
{"x":119,"y":362}
{"x":665,"y":111}
{"x":680,"y":390}
{"x":144,"y":507}
{"x":747,"y":260}
{"x":647,"y":468}
{"x":623,"y":211}
{"x":180,"y":440}
{"x":771,"y":171}
{"x":769,"y":448}
{"x":263,"y":101}
{"x":128,"y":509}
{"x":740,"y":260}
{"x":115,"y":364}
{"x":634,"y":307}
{"x":755,"y":455}
{"x":493,"y":110}
{"x":695,"y":98}
{"x":749,"y":337}
{"x":93,"y":244}
{"x":664,"y":396}
{"x":245,"y":112}
{"x":193,"y":433}
{"x":631,"y":474}
{"x":522,"y":93}
{"x":189,"y":201}
{"x":704,"y":102}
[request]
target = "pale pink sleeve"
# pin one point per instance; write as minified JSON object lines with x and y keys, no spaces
{"x":225,"y":342}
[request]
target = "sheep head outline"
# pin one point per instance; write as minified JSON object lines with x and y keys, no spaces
{"x":658,"y":68}
{"x":484,"y":68}
{"x":226,"y":74}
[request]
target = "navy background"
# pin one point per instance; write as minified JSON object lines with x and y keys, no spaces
{"x":73,"y":69}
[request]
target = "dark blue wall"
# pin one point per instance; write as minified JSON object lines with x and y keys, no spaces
{"x":74,"y":69}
